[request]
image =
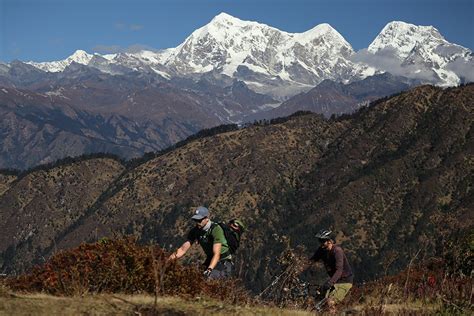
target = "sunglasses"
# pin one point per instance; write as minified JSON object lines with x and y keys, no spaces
{"x":322,"y":241}
{"x":199,"y":220}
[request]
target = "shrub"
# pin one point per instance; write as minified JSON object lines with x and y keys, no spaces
{"x":122,"y":266}
{"x":428,"y":282}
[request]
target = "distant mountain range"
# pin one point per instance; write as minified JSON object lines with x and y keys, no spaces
{"x":394,"y":180}
{"x":266,"y":58}
{"x":228,"y":71}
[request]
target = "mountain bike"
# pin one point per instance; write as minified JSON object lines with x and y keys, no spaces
{"x":288,"y":290}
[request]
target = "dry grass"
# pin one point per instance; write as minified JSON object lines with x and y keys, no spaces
{"x":105,"y":304}
{"x":121,"y":304}
{"x":4,"y":290}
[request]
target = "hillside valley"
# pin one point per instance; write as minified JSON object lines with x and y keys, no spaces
{"x":390,"y":179}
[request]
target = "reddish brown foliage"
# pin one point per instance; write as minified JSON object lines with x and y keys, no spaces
{"x":426,"y":282}
{"x":121,"y":266}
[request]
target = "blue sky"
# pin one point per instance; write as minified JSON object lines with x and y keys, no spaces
{"x":45,"y":30}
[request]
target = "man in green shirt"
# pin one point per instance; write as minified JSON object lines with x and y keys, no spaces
{"x":211,"y":237}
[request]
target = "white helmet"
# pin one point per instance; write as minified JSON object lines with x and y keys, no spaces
{"x":324,"y":234}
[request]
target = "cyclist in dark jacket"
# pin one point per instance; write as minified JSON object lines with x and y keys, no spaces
{"x":338,"y":268}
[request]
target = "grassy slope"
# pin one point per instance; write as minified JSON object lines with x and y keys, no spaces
{"x":42,"y":304}
{"x":119,"y":304}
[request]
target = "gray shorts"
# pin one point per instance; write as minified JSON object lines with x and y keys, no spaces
{"x":223,"y":269}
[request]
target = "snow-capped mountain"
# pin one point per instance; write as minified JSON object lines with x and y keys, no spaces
{"x":253,"y":51}
{"x":419,"y":51}
{"x":266,"y":59}
{"x":282,"y":64}
{"x":79,"y":56}
{"x":403,"y":37}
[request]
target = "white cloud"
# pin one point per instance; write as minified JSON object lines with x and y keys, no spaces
{"x":107,"y":49}
{"x":387,"y":60}
{"x":128,"y":27}
{"x":136,"y":27}
{"x":114,"y":49}
{"x":464,"y":69}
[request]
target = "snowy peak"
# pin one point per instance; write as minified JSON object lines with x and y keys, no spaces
{"x":323,"y":32}
{"x":225,"y":26}
{"x":420,"y":52}
{"x":320,"y":30}
{"x":248,"y":50}
{"x":79,"y":56}
{"x":403,"y":37}
{"x":224,"y":18}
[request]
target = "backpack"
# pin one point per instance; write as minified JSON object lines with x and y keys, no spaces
{"x":232,"y":235}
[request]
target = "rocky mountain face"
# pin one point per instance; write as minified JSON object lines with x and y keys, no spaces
{"x":391,"y":179}
{"x":331,"y":97}
{"x":40,"y":128}
{"x":82,"y":110}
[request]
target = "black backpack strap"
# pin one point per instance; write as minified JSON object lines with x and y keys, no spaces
{"x":213,"y":225}
{"x":209,"y":232}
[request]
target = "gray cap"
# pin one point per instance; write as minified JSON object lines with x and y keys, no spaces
{"x":200,"y":213}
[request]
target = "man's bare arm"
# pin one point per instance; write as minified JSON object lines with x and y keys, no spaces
{"x":181,"y":251}
{"x":216,"y":249}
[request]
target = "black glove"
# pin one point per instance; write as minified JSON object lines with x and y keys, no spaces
{"x":326,"y":287}
{"x":207,"y":273}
